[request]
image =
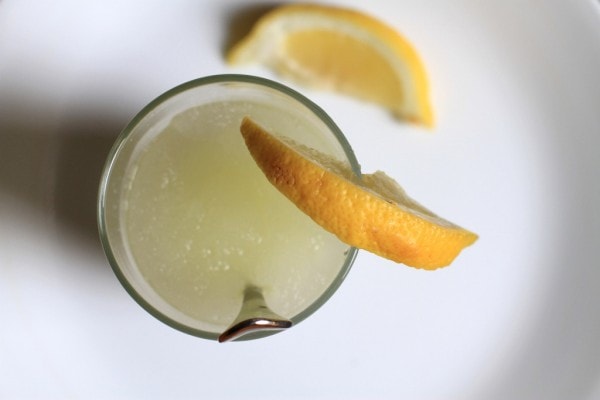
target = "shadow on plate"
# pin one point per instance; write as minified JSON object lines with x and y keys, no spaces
{"x":52,"y":162}
{"x":240,"y":21}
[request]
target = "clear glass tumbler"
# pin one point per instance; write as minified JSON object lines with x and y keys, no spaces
{"x":189,"y":223}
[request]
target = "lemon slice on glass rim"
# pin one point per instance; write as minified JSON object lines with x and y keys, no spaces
{"x":371,"y":212}
{"x":342,"y":50}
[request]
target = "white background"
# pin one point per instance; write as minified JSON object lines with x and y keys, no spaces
{"x":514,"y":157}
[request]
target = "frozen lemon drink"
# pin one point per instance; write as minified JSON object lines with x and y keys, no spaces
{"x":189,"y":222}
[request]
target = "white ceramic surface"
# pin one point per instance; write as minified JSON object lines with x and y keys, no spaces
{"x":514,"y":157}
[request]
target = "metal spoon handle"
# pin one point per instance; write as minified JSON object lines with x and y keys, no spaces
{"x":254,"y":316}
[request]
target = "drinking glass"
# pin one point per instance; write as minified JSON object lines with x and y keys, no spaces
{"x":193,"y":230}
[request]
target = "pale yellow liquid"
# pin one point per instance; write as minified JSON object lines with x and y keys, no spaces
{"x":202,"y":221}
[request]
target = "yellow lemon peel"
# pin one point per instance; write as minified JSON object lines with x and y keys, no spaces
{"x":371,"y":212}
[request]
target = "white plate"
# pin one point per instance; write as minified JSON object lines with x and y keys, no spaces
{"x":516,"y":88}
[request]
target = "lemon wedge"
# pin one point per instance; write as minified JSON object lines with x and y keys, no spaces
{"x":342,"y":50}
{"x":371,"y":212}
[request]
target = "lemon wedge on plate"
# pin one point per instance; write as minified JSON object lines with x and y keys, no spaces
{"x":371,"y":212}
{"x":343,"y":50}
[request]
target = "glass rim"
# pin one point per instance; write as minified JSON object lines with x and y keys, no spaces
{"x":140,"y":116}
